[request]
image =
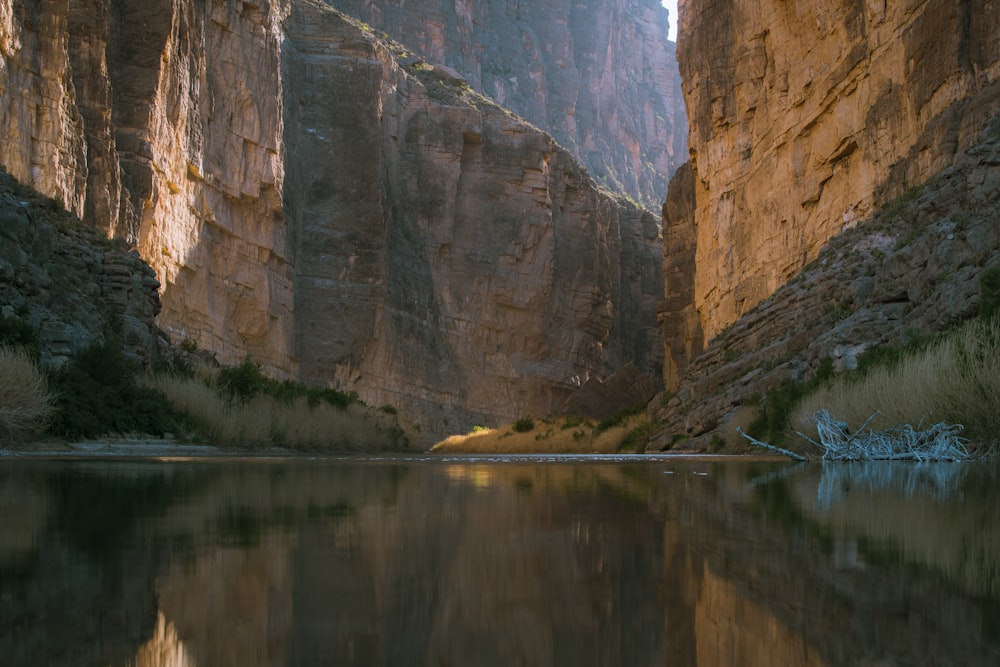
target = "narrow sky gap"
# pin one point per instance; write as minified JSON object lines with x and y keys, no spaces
{"x":672,"y":6}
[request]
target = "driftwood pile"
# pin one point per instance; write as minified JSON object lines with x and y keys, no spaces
{"x":902,"y":442}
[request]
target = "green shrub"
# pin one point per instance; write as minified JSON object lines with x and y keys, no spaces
{"x":99,"y":393}
{"x":637,"y":439}
{"x":246,"y":381}
{"x":17,"y":333}
{"x":618,"y":418}
{"x":573,"y":422}
{"x":775,"y":410}
{"x":989,"y":293}
{"x":524,"y":425}
{"x":242,"y":382}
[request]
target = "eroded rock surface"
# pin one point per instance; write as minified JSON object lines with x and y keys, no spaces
{"x":456,"y":261}
{"x":70,"y":285}
{"x":806,"y":116}
{"x":342,"y":219}
{"x":601,"y":77}
{"x":914,"y":267}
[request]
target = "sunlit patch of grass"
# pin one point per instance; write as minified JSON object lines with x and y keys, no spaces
{"x":570,"y":435}
{"x":25,"y":404}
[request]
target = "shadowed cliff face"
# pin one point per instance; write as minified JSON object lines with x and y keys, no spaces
{"x":454,"y":261}
{"x":308,"y":202}
{"x":600,"y":77}
{"x":806,"y":115}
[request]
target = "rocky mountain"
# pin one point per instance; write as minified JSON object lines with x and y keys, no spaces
{"x":913,"y":268}
{"x":846,"y":145}
{"x":807,"y":116}
{"x":601,"y":77}
{"x":323,"y":200}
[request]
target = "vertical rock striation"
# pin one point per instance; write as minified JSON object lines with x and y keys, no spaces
{"x":161,"y":123}
{"x":454,"y":261}
{"x":307,"y":200}
{"x":804,"y":116}
{"x":600,"y":77}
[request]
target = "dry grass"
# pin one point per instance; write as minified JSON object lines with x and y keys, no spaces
{"x":25,"y":404}
{"x":956,"y":381}
{"x":548,"y":437}
{"x":265,"y":421}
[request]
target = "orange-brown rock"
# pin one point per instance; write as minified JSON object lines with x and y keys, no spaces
{"x":308,"y":201}
{"x":806,"y":115}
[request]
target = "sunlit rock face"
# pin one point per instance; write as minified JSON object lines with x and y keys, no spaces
{"x":308,"y":202}
{"x":805,"y":115}
{"x":601,"y":77}
{"x":161,"y":123}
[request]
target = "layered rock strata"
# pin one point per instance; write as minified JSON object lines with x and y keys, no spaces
{"x":600,"y":77}
{"x":805,"y":116}
{"x":342,"y":219}
{"x":914,"y":267}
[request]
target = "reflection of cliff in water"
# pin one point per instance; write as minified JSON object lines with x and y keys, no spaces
{"x":759,"y":578}
{"x":465,"y":563}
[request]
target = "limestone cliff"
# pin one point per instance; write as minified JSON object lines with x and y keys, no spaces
{"x":913,"y":267}
{"x":161,"y":123}
{"x":804,"y":116}
{"x":601,"y":77}
{"x":307,"y":200}
{"x":455,"y":261}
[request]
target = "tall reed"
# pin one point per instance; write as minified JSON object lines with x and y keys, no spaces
{"x":25,"y":403}
{"x":263,"y":420}
{"x":956,"y":380}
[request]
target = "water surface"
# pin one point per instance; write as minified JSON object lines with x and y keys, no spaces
{"x":497,"y":561}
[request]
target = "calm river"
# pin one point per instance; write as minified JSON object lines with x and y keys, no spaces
{"x":478,"y":561}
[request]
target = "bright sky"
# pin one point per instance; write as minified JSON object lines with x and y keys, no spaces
{"x":672,"y":6}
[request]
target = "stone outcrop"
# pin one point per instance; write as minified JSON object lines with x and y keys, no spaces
{"x":914,"y":267}
{"x":600,"y":77}
{"x":325,"y":202}
{"x":68,"y":284}
{"x":806,"y":116}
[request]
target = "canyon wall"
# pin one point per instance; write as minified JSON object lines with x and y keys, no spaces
{"x":600,"y":77}
{"x":162,"y":124}
{"x":805,"y":116}
{"x":330,"y":205}
{"x":453,"y":261}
